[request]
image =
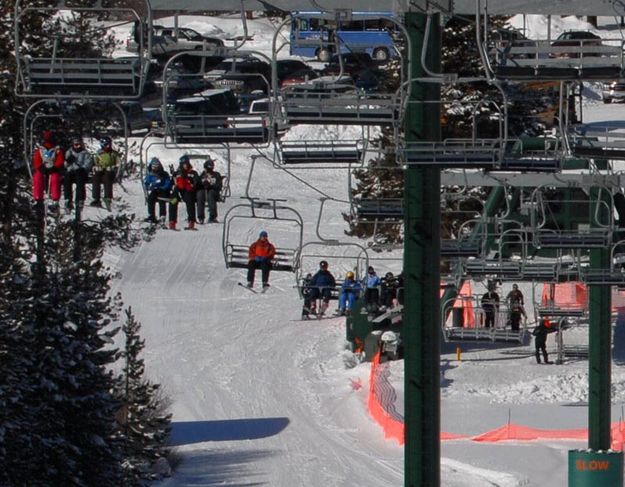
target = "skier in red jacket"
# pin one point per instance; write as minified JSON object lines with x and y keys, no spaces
{"x":260,"y":255}
{"x":48,"y":161}
{"x":186,"y":184}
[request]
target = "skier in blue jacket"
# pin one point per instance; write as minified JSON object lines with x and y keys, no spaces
{"x":158,"y":185}
{"x":321,"y":286}
{"x":350,"y":291}
{"x":372,"y":289}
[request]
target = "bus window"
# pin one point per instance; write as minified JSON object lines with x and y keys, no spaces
{"x":352,"y":26}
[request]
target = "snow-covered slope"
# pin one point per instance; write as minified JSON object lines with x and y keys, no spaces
{"x":260,"y":398}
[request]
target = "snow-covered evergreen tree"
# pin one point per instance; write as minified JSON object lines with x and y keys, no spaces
{"x":144,"y":424}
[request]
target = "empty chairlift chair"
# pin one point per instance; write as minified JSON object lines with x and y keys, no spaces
{"x":307,"y":152}
{"x":210,"y":116}
{"x":73,"y":68}
{"x":574,"y":55}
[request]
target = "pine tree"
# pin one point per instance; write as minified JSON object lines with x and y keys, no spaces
{"x":144,"y":425}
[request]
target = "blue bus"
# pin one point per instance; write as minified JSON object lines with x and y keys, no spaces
{"x":316,"y":34}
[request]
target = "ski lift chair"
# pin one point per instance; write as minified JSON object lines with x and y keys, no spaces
{"x":577,"y":221}
{"x":473,"y":152}
{"x":65,"y":74}
{"x":598,"y":142}
{"x":574,"y":55}
{"x":195,"y":153}
{"x":614,"y":275}
{"x":321,"y":152}
{"x":64,"y":115}
{"x":270,"y":210}
{"x":211,"y":116}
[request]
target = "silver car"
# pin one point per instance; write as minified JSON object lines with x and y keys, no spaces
{"x":164,"y":40}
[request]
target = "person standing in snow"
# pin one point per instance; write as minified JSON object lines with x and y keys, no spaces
{"x":157,"y":184}
{"x":78,"y":163}
{"x":540,"y":338}
{"x":186,"y":183}
{"x":260,"y":255}
{"x":48,"y":161}
{"x":209,"y":191}
{"x":322,"y":284}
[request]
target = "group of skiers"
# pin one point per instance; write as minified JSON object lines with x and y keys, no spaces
{"x":516,"y":307}
{"x":184,"y":185}
{"x":378,"y":292}
{"x":54,"y":168}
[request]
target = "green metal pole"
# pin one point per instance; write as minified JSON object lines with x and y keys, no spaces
{"x":599,"y":357}
{"x":599,"y":353}
{"x":421,"y":322}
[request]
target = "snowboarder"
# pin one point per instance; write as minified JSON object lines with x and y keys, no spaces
{"x":372,"y":284}
{"x":105,"y":168}
{"x":388,"y":290}
{"x":158,"y":184}
{"x":350,"y":291}
{"x":540,"y":338}
{"x":209,"y":191}
{"x":260,"y":255}
{"x":78,"y":163}
{"x":48,"y":160}
{"x":322,"y":284}
{"x":490,"y":306}
{"x":186,"y":183}
{"x":306,"y":292}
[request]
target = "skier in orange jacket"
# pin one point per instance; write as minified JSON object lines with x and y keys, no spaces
{"x":259,"y":256}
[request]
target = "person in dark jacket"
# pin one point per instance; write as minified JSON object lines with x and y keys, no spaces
{"x":388,"y":290}
{"x":158,"y":185}
{"x":490,"y":306}
{"x":186,"y":184}
{"x":209,"y":191}
{"x":540,"y":338}
{"x":78,"y":163}
{"x":322,"y":284}
{"x":306,"y":291}
{"x":260,"y":255}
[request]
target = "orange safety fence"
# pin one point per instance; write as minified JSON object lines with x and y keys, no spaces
{"x":565,"y":295}
{"x":381,"y":405}
{"x":463,"y":301}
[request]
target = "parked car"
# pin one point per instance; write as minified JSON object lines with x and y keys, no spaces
{"x":208,"y":102}
{"x":613,"y":90}
{"x":165,"y":41}
{"x":579,"y":38}
{"x":286,"y":67}
{"x":298,"y":77}
{"x":241,"y":75}
{"x":360,"y":66}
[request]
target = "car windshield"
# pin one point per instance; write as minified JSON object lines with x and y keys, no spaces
{"x":192,"y":35}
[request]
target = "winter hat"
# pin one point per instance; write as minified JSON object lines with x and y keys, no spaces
{"x":47,"y":135}
{"x":155,"y":164}
{"x":262,"y":233}
{"x":184,"y":159}
{"x":209,"y":164}
{"x":371,"y":270}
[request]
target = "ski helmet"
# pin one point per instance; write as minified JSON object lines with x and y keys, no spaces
{"x":209,"y":164}
{"x":155,"y":164}
{"x":263,"y":233}
{"x":184,"y":159}
{"x":323,"y":264}
{"x":105,"y":142}
{"x":349,"y":275}
{"x":371,"y":270}
{"x":76,"y":141}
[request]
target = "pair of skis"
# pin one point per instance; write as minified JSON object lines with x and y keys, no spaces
{"x":262,"y":291}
